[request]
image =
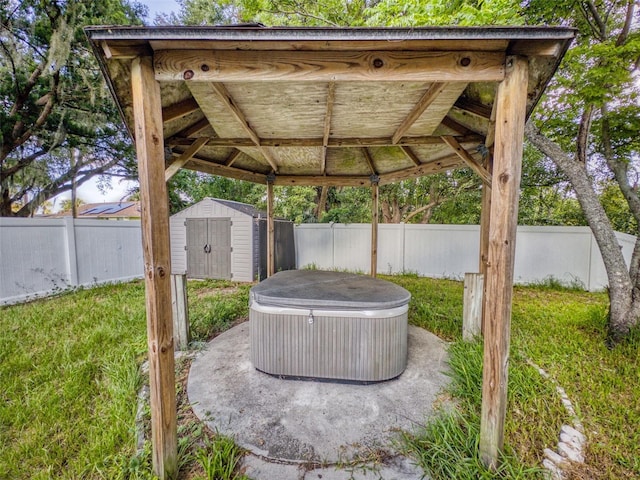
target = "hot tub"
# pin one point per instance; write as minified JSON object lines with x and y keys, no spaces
{"x":328,"y":325}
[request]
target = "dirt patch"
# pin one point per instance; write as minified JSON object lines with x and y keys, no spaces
{"x":211,"y":292}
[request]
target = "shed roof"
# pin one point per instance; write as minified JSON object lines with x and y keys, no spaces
{"x":327,"y":106}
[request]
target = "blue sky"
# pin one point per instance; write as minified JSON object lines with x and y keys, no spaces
{"x":159,"y":6}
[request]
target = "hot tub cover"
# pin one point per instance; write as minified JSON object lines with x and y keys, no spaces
{"x":328,"y":290}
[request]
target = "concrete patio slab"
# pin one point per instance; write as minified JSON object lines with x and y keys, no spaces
{"x":309,"y":423}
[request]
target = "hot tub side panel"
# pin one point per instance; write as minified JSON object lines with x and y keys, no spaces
{"x":332,"y":347}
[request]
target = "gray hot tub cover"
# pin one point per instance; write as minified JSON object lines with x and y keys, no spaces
{"x":328,"y":290}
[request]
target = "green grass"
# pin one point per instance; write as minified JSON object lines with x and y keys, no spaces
{"x":69,"y":373}
{"x":564,"y":331}
{"x":69,"y":376}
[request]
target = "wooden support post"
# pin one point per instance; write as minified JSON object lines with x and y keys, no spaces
{"x":271,"y":243}
{"x":374,"y":225}
{"x":147,"y":113}
{"x":507,"y":165}
{"x":472,"y":306}
{"x":180,"y":309}
{"x":485,"y":214}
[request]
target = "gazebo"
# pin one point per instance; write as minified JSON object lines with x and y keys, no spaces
{"x":329,"y":107}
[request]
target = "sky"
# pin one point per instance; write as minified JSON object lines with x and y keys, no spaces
{"x":159,"y":6}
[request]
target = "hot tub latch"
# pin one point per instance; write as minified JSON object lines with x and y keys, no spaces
{"x":310,"y":319}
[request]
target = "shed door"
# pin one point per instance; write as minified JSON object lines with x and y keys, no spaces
{"x":209,"y":248}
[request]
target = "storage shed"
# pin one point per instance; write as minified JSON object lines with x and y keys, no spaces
{"x":224,"y":239}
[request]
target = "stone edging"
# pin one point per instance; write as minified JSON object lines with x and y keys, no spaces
{"x":572,"y":439}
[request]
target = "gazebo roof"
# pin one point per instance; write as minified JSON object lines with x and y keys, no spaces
{"x":327,"y":106}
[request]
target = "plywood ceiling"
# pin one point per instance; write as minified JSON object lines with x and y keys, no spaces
{"x":327,"y":106}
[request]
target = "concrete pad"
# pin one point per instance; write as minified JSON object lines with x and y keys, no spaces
{"x":298,"y":421}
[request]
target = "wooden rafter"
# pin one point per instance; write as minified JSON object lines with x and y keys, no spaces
{"x":472,"y":107}
{"x":440,"y":165}
{"x":331,"y":95}
{"x":334,"y":142}
{"x":212,"y":168}
{"x":427,"y":99}
{"x":369,"y":159}
{"x":451,"y":124}
{"x":228,"y":101}
{"x":468,"y":159}
{"x":232,"y":158}
{"x":180,"y":109}
{"x":184,"y":157}
{"x":412,"y":155}
{"x":185,"y":134}
{"x":322,"y":66}
{"x":491,"y":129}
{"x":324,"y":180}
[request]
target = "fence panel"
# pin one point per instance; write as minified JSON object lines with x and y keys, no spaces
{"x":567,"y":254}
{"x":39,"y":257}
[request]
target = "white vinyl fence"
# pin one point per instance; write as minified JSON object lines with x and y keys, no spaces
{"x":567,"y":254}
{"x":39,"y":257}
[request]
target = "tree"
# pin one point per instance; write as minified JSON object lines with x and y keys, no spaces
{"x":54,"y":101}
{"x":588,"y":125}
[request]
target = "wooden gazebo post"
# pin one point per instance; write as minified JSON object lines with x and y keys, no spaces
{"x":511,"y":102}
{"x":271,"y":233}
{"x":375,"y":180}
{"x":147,"y":113}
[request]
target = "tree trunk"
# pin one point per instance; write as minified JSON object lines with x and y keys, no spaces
{"x":624,"y":296}
{"x":321,"y":207}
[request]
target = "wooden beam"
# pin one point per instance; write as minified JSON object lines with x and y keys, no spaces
{"x":473,"y":107}
{"x":271,"y":244}
{"x":121,"y":51}
{"x":180,"y":311}
{"x":331,"y":96}
{"x":183,"y":136}
{"x":485,"y":217}
{"x":507,"y":166}
{"x":231,"y":105}
{"x":374,"y":228}
{"x":427,"y":99}
{"x":468,"y":159}
{"x":491,"y":129}
{"x":180,"y":109}
{"x":207,"y":166}
{"x":472,"y":306}
{"x":339,"y":142}
{"x":412,"y":155}
{"x":440,"y":165}
{"x":369,"y":159}
{"x":147,"y":112}
{"x":321,"y":66}
{"x":184,"y":157}
{"x":232,"y":158}
{"x":460,"y":129}
{"x":323,"y":180}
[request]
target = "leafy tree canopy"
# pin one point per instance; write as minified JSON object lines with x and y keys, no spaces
{"x":54,"y":101}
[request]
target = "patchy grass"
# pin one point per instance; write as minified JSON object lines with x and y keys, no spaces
{"x":69,"y":373}
{"x":69,"y":376}
{"x":564,"y":331}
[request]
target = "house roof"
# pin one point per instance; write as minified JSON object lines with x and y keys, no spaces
{"x":106,"y":210}
{"x":327,"y":106}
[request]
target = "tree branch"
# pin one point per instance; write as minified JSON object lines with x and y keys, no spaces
{"x":583,"y":134}
{"x":617,"y":273}
{"x":619,"y":168}
{"x":602,"y":28}
{"x":624,"y":33}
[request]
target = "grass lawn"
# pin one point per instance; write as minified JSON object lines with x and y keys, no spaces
{"x":70,"y":370}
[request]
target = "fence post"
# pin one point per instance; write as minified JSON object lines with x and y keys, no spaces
{"x":180,"y":309}
{"x":472,"y":306}
{"x":72,"y":254}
